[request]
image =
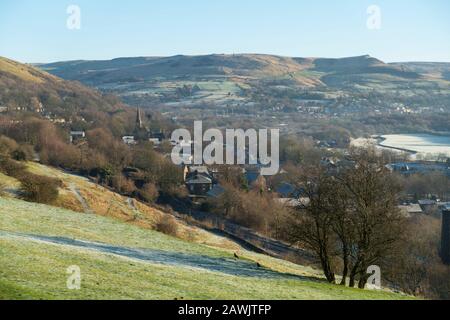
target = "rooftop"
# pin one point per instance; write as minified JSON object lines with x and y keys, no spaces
{"x":427,"y":202}
{"x":199,"y":179}
{"x":412,"y":208}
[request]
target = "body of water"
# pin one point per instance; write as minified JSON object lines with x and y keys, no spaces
{"x":421,"y":144}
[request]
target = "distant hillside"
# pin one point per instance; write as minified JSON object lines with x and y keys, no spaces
{"x":245,"y":66}
{"x":360,"y":70}
{"x":139,"y":69}
{"x":432,"y":69}
{"x":239,"y":78}
{"x":26,"y":88}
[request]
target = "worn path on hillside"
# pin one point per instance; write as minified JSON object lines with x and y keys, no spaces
{"x":73,"y":188}
{"x":229,"y":266}
{"x":132,"y":206}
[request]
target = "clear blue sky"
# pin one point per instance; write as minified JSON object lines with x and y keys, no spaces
{"x":411,"y":30}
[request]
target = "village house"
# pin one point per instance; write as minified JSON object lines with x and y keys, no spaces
{"x":291,"y":196}
{"x":158,"y":136}
{"x":58,"y":120}
{"x":198,"y":180}
{"x":129,"y":140}
{"x":76,"y":136}
{"x":287,"y":190}
{"x":410,"y":209}
{"x":199,"y":184}
{"x":428,"y":206}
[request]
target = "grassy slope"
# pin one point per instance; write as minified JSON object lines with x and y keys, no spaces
{"x":42,"y":271}
{"x":23,"y":71}
{"x":27,"y":81}
{"x":103,"y":202}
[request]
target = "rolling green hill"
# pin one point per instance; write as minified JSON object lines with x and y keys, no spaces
{"x":244,"y":67}
{"x":121,"y":261}
{"x":177,"y":67}
{"x":121,"y":256}
{"x":240,"y":78}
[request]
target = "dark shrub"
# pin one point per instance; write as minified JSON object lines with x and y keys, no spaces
{"x":23,"y":153}
{"x":11,"y":167}
{"x":39,"y":189}
{"x":206,"y":206}
{"x":19,"y":155}
{"x":149,"y":193}
{"x":7,"y":145}
{"x":167,"y":225}
{"x":123,"y":185}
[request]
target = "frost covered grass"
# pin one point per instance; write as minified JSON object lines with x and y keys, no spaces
{"x":37,"y":270}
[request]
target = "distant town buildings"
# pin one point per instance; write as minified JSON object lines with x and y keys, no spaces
{"x":129,"y":140}
{"x":76,"y":136}
{"x":142,"y":133}
{"x":410,"y":210}
{"x":409,"y":168}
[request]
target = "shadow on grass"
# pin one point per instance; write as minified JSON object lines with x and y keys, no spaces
{"x":228,"y":266}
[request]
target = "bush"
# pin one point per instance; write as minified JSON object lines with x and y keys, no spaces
{"x":11,"y":167}
{"x":60,"y":154}
{"x":167,"y":225}
{"x":149,"y":193}
{"x":39,"y":189}
{"x":19,"y":155}
{"x":23,"y":153}
{"x":7,"y":145}
{"x":123,"y":185}
{"x":3,"y":187}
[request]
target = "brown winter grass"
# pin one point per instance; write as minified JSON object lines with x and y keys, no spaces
{"x":104,"y":202}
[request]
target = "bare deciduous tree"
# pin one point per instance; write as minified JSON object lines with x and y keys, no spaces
{"x":352,"y":213}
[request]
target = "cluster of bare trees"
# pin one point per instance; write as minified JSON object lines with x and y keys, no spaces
{"x":351,"y":220}
{"x":102,"y":156}
{"x":254,"y":208}
{"x":423,"y":186}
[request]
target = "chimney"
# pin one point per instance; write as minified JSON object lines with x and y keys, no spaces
{"x":445,"y":235}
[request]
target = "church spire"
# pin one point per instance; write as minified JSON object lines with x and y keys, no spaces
{"x":139,"y":124}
